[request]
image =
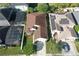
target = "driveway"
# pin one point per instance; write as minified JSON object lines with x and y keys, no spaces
{"x":41,"y":47}
{"x":73,"y":50}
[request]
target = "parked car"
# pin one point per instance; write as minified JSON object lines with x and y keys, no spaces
{"x":66,"y":46}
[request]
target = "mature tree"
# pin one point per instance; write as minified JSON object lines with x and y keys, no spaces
{"x":53,"y":8}
{"x":50,"y":7}
{"x":42,"y":8}
{"x":64,"y":5}
{"x":35,"y":9}
{"x":30,"y":10}
{"x":58,"y":7}
{"x":33,"y":5}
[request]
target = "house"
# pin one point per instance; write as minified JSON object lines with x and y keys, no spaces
{"x":53,"y":25}
{"x":37,"y":27}
{"x":37,"y":21}
{"x":21,"y":6}
{"x":61,"y":26}
{"x":10,"y":35}
{"x":3,"y":21}
{"x":7,"y":15}
{"x":76,"y":17}
{"x":71,"y":9}
{"x":76,"y":9}
{"x":11,"y":26}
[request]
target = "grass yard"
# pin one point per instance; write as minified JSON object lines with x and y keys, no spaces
{"x":52,"y":47}
{"x":28,"y":46}
{"x":77,"y":44}
{"x":76,"y":27}
{"x":10,"y":51}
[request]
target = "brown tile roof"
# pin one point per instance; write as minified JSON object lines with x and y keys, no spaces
{"x":37,"y":19}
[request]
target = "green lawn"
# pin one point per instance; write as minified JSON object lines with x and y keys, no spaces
{"x":52,"y":47}
{"x":28,"y":48}
{"x":76,"y":27}
{"x":10,"y":51}
{"x":77,"y":44}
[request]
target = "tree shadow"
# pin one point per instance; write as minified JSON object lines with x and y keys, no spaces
{"x":34,"y":48}
{"x":33,"y":5}
{"x":25,"y":41}
{"x":48,"y":28}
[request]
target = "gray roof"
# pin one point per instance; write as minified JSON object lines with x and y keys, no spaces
{"x":58,"y":27}
{"x":3,"y":32}
{"x":9,"y":16}
{"x":64,"y":21}
{"x":54,"y":25}
{"x":2,"y":17}
{"x":6,"y":12}
{"x":3,"y":21}
{"x":10,"y":34}
{"x":53,"y":17}
{"x":14,"y":35}
{"x":76,"y":15}
{"x":19,"y":17}
{"x":0,"y":40}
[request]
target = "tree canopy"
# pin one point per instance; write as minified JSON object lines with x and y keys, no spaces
{"x":30,"y":10}
{"x":42,"y":8}
{"x":51,"y":7}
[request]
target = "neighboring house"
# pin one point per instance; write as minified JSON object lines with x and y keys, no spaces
{"x":11,"y":26}
{"x":3,"y":21}
{"x":36,"y":24}
{"x":62,"y":26}
{"x":76,"y":9}
{"x":72,"y":9}
{"x":76,"y":17}
{"x":53,"y":25}
{"x":21,"y":6}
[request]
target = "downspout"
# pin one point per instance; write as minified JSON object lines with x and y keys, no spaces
{"x":22,"y":38}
